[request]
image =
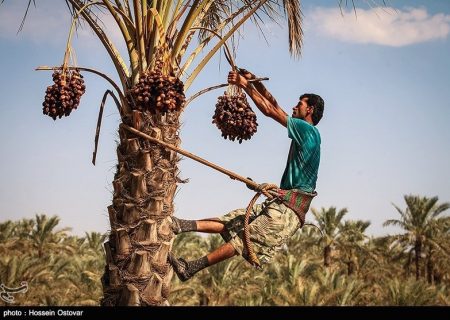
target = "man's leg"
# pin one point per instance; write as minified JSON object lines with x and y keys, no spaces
{"x":212,"y":225}
{"x":186,"y":269}
{"x":222,"y":253}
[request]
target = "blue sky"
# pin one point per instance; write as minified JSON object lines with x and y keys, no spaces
{"x":384,"y":75}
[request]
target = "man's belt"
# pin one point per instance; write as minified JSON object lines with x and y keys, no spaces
{"x":297,"y":200}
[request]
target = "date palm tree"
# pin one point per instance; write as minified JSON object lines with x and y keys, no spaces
{"x":351,"y":241}
{"x":44,"y":236}
{"x":329,"y":221}
{"x":437,"y":248}
{"x":7,"y":236}
{"x":417,"y":220}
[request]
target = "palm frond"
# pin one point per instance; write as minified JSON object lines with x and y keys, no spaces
{"x":295,"y":22}
{"x":393,"y":222}
{"x":217,"y":12}
{"x":25,"y":15}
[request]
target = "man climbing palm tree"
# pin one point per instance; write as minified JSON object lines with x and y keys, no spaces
{"x":273,"y":222}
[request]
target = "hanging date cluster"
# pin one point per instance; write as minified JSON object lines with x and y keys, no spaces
{"x":234,"y":117}
{"x":157,"y":91}
{"x":64,"y":95}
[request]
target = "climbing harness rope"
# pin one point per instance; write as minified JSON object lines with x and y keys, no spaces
{"x":268,"y":190}
{"x":261,"y":189}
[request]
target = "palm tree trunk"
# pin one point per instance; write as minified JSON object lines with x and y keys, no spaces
{"x":408,"y":264}
{"x":204,"y":299}
{"x":437,"y":276}
{"x":430,"y":266}
{"x":137,"y":272}
{"x":418,"y":252}
{"x":352,"y":263}
{"x":351,"y":267}
{"x":327,"y":256}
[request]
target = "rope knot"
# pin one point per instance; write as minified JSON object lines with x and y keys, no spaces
{"x":262,"y":187}
{"x":267,"y":189}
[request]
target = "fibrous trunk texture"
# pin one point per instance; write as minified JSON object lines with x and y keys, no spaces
{"x":418,"y":251}
{"x":137,"y":271}
{"x":430,"y":266}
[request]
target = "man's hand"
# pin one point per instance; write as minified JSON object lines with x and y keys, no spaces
{"x":236,"y":79}
{"x":246,"y":74}
{"x":249,"y":186}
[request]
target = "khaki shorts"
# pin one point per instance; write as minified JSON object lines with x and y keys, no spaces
{"x":271,"y":225}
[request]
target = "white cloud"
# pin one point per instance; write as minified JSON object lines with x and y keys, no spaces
{"x":382,"y":25}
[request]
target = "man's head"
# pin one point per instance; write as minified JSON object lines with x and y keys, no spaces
{"x":310,"y":107}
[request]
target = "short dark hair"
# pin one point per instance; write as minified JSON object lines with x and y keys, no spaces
{"x":317,"y":102}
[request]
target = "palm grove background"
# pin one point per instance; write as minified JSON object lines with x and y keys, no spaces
{"x":341,"y":266}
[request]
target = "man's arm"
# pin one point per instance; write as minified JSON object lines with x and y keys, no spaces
{"x":269,"y":108}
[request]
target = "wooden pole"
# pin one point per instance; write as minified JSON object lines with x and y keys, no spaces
{"x":229,"y":173}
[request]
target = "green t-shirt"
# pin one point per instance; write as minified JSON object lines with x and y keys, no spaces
{"x":304,"y":156}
